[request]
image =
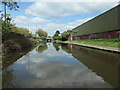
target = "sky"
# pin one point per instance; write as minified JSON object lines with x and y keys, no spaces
{"x":54,"y":15}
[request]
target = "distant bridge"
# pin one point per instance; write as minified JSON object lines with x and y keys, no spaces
{"x":49,"y":39}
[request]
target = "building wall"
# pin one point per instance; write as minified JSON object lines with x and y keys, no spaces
{"x":109,"y":35}
{"x":105,"y":25}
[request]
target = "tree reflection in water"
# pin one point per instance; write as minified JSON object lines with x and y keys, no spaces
{"x":53,"y":66}
{"x":57,"y":46}
{"x":42,"y":48}
{"x":101,"y":62}
{"x":7,"y":78}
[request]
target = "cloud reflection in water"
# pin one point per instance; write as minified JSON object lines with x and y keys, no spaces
{"x":57,"y":75}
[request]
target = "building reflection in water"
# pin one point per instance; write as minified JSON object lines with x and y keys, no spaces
{"x":46,"y":67}
{"x":105,"y":64}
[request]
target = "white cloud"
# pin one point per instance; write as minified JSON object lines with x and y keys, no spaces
{"x":52,"y":27}
{"x":48,"y":26}
{"x":78,"y":22}
{"x":69,"y":0}
{"x":20,"y":20}
{"x":62,"y":9}
{"x":38,"y":20}
{"x":25,"y":20}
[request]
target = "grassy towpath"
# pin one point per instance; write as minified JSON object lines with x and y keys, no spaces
{"x":103,"y":44}
{"x":99,"y":42}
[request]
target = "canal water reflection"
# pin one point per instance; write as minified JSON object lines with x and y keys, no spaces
{"x":62,"y":66}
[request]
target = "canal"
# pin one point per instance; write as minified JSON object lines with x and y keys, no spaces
{"x":56,"y":65}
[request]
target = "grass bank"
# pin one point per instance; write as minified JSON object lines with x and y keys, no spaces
{"x":15,"y":42}
{"x":15,"y":46}
{"x":99,"y":42}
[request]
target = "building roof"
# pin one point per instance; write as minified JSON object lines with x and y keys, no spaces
{"x":107,"y":21}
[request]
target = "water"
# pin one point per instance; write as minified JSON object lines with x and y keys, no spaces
{"x":62,"y":66}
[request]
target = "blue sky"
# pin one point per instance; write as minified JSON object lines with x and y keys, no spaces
{"x":52,"y":16}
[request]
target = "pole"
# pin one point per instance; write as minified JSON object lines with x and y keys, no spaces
{"x":5,"y":11}
{"x":28,"y":22}
{"x":36,"y":30}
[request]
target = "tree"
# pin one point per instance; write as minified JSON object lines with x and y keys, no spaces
{"x":57,"y":36}
{"x":65,"y":35}
{"x":49,"y":36}
{"x":11,"y":5}
{"x":6,"y":27}
{"x":42,"y":34}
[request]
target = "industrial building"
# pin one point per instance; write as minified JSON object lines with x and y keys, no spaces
{"x":106,"y":25}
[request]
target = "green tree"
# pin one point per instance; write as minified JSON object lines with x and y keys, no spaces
{"x":57,"y":36}
{"x":42,"y":34}
{"x":49,"y":36}
{"x":65,"y":35}
{"x":6,"y":27}
{"x":11,"y":5}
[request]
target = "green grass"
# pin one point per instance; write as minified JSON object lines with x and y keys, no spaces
{"x":99,"y":42}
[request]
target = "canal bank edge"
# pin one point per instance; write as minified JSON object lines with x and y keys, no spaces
{"x":105,"y":48}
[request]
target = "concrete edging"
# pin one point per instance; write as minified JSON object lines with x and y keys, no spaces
{"x":105,"y":48}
